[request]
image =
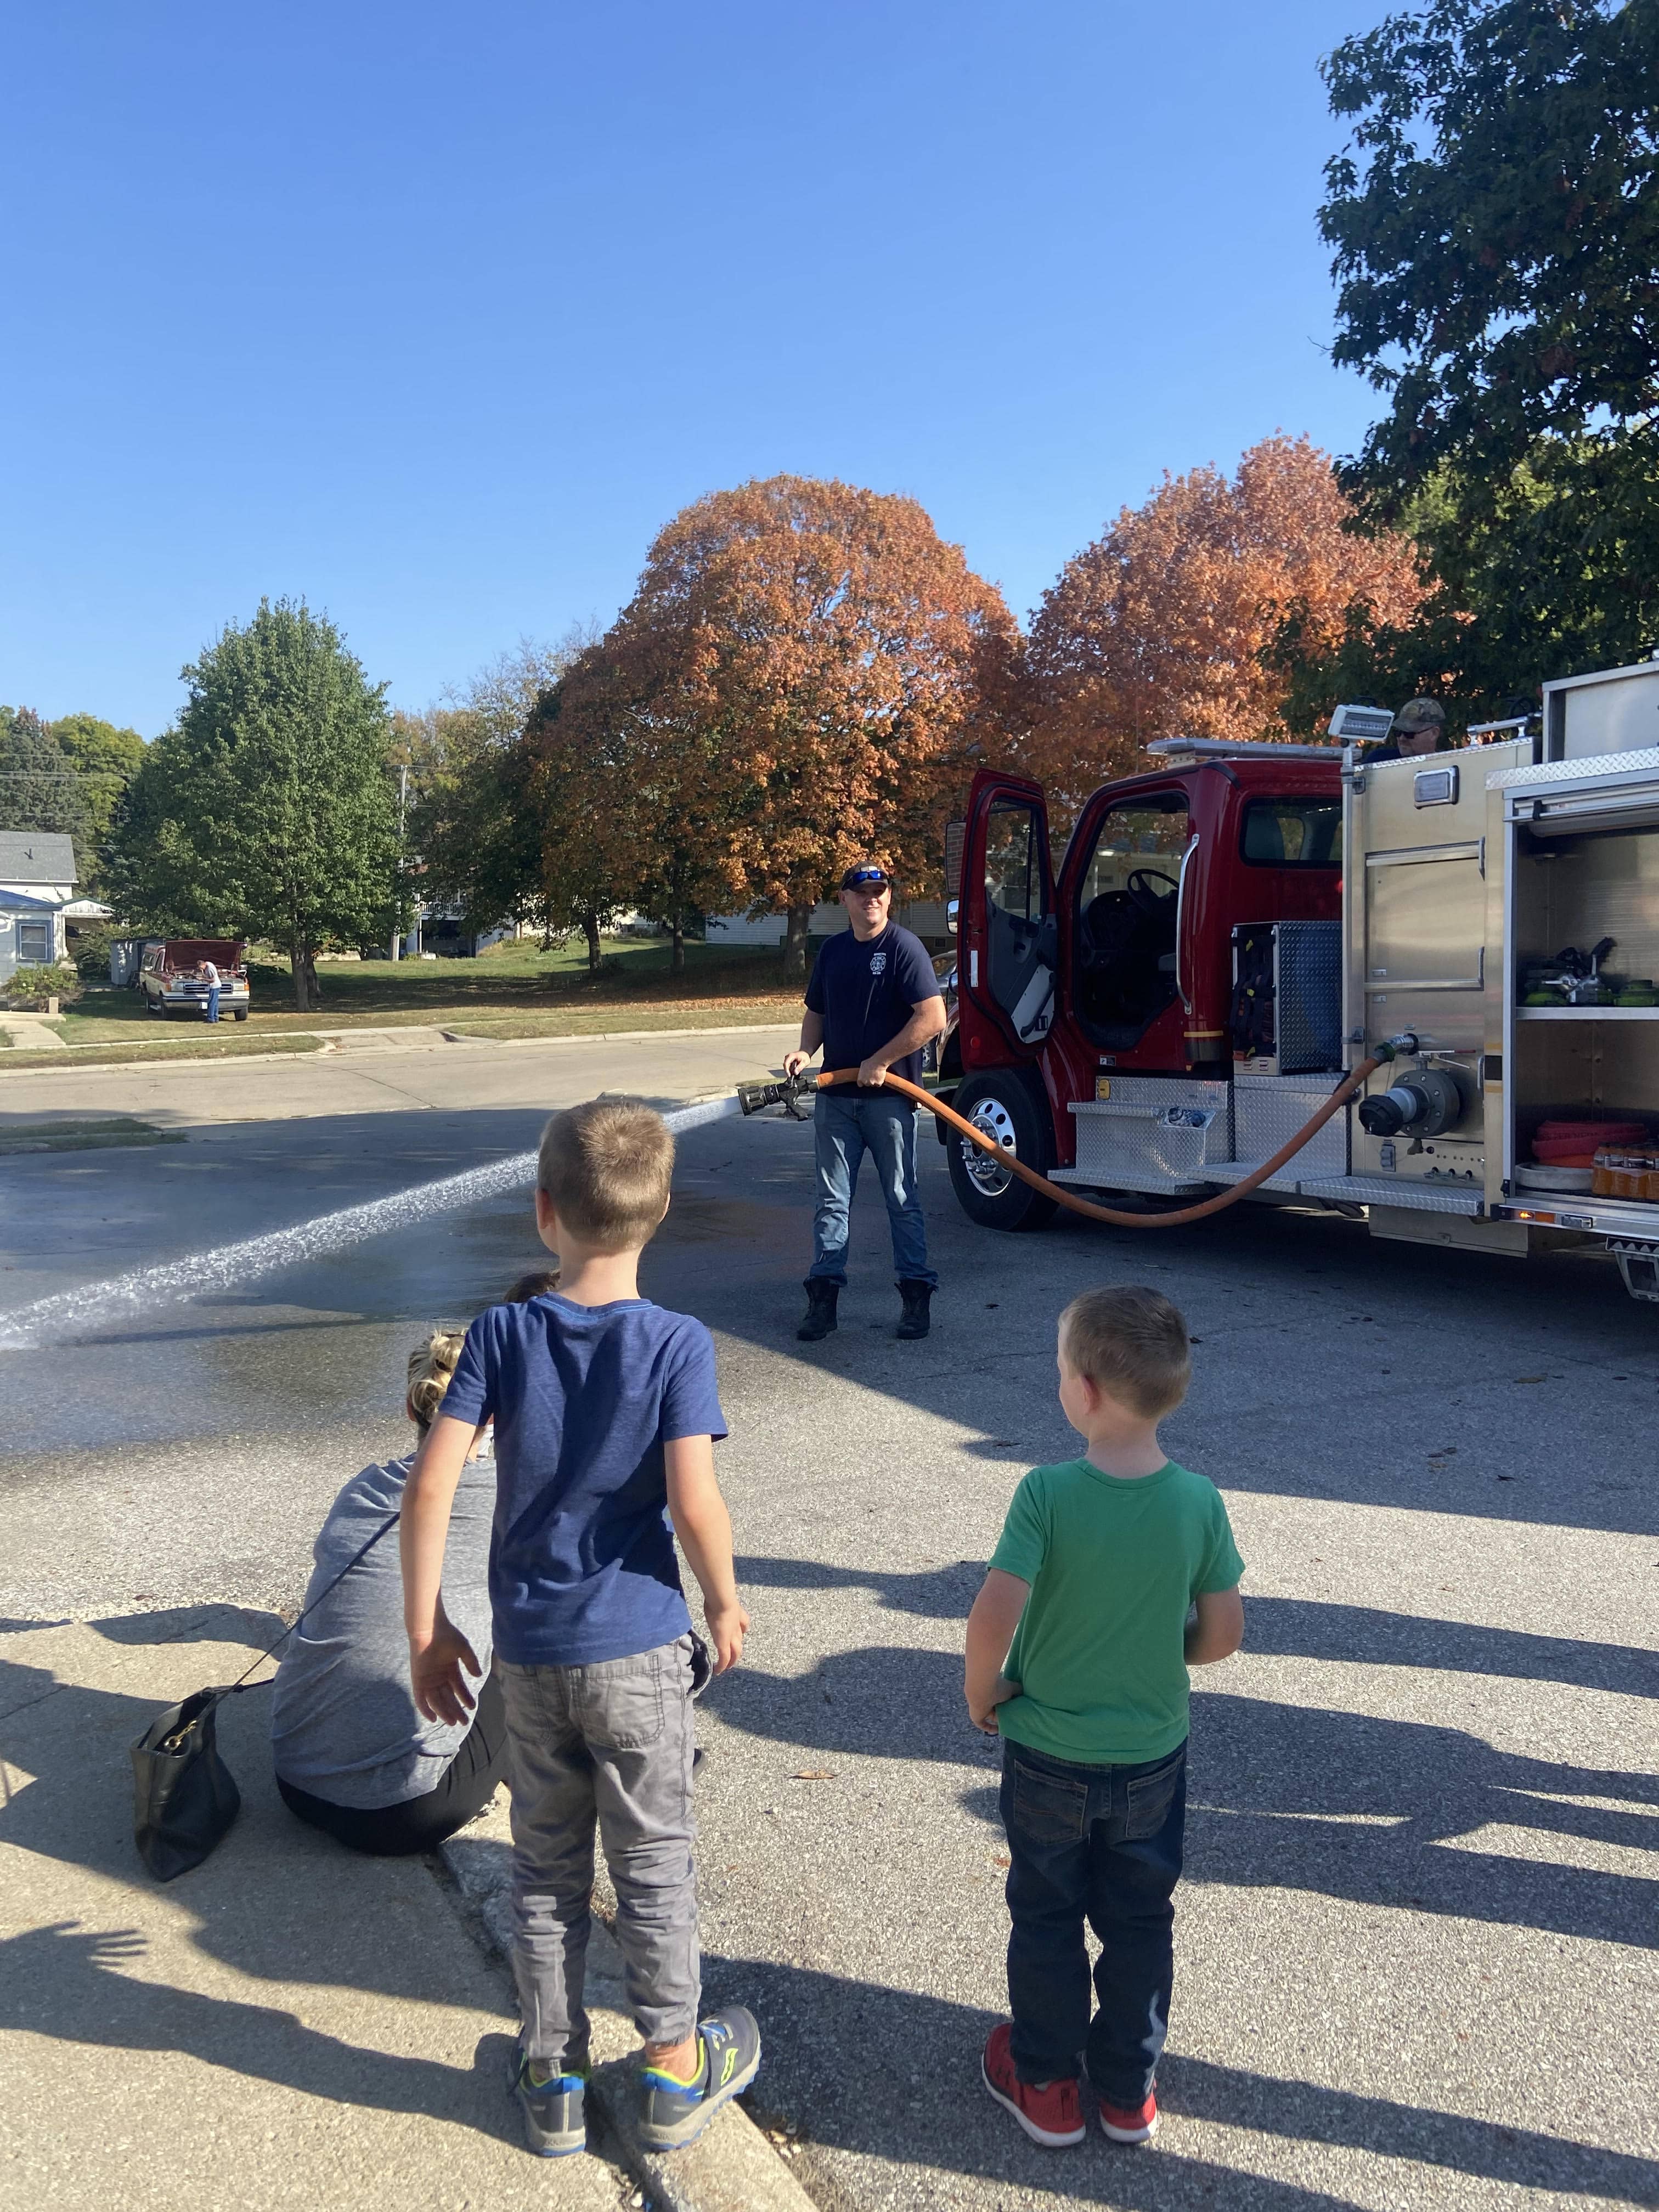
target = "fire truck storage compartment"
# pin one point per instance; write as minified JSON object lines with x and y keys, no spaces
{"x":1287,"y":997}
{"x":1582,"y":866}
{"x":1268,"y":1110}
{"x":1159,"y":1133}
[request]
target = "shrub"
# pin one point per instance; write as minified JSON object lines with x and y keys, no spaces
{"x":43,"y":982}
{"x":92,"y":949}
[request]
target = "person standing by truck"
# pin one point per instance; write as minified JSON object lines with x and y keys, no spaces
{"x":209,"y":974}
{"x":872,"y":1002}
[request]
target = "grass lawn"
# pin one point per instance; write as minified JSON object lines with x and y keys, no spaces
{"x":193,"y":1044}
{"x":79,"y":1136}
{"x":513,"y":990}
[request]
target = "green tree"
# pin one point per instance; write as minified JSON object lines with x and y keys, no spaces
{"x":39,"y":786}
{"x":106,"y":758}
{"x":1495,"y":219}
{"x":270,"y":811}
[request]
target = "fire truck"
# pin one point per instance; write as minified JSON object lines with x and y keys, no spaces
{"x":1230,"y":931}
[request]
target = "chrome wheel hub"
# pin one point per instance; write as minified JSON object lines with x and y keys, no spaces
{"x":993,"y":1117}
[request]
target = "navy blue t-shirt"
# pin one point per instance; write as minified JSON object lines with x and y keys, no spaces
{"x":581,"y":1561}
{"x":866,"y":993}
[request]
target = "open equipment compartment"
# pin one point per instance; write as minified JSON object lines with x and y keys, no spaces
{"x":1581,"y":864}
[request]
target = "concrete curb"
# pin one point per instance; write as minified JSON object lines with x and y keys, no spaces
{"x":730,"y":2167}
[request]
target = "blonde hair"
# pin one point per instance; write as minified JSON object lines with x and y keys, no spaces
{"x":1131,"y":1343}
{"x":607,"y":1166}
{"x":430,"y":1366}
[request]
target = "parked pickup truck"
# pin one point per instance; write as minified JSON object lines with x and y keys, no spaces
{"x":170,"y":979}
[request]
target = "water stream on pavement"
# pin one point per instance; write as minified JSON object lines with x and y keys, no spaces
{"x":72,"y":1313}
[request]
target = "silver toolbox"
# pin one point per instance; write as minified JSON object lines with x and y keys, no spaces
{"x":1269,"y":1109}
{"x":1151,"y":1133}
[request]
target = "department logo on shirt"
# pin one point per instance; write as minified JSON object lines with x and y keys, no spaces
{"x":878,"y":961}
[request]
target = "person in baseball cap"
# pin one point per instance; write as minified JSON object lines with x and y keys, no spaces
{"x":1419,"y":727}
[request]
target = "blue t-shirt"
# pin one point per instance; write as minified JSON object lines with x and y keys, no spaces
{"x":866,"y":993}
{"x":581,"y":1559}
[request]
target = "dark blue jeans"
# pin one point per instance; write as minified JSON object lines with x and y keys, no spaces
{"x":847,"y":1124}
{"x":213,"y":1003}
{"x":1102,"y":1843}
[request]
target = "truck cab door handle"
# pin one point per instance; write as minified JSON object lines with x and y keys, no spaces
{"x":1181,"y":900}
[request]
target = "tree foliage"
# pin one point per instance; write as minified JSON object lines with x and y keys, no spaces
{"x":1496,"y":222}
{"x":1162,"y":627}
{"x":105,"y":759}
{"x":269,"y":810}
{"x":39,"y":786}
{"x":476,"y":827}
{"x":797,"y":680}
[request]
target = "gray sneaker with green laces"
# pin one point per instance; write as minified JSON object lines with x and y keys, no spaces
{"x":554,"y":2123}
{"x":674,"y":2113}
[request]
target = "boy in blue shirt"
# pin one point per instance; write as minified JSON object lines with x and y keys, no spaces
{"x":605,"y":1413}
{"x":1078,"y":1646}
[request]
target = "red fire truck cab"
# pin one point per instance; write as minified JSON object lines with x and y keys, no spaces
{"x":1122,"y":965}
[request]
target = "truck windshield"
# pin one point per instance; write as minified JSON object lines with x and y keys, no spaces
{"x":1293,"y":833}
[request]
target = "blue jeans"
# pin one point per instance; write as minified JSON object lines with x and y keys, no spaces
{"x":1104,"y":1844}
{"x":213,"y":1002}
{"x":846,"y":1125}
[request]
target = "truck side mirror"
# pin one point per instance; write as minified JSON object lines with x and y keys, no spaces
{"x":952,"y":915}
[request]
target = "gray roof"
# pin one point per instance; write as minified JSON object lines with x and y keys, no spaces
{"x":36,"y":856}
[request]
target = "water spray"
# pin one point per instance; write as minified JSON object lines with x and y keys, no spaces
{"x":94,"y":1305}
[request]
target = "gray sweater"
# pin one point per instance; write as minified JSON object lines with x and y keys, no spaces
{"x":343,"y":1726}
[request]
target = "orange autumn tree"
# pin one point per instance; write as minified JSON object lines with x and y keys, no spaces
{"x":802,"y":672}
{"x":1161,"y":628}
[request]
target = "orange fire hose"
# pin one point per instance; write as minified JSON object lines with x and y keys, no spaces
{"x":1117,"y":1216}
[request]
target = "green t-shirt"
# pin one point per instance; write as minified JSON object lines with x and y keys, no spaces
{"x":1114,"y":1564}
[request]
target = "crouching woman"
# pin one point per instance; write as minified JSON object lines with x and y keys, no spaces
{"x":353,"y":1755}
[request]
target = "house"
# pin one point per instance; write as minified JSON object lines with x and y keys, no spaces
{"x":37,"y":883}
{"x":925,"y":916}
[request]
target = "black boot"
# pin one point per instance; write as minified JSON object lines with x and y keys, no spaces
{"x":820,"y":1319}
{"x":913,"y":1322}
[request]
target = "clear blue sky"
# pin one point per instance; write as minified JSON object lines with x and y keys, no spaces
{"x":433,"y":314}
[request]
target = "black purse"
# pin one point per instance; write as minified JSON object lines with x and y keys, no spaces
{"x":184,"y":1795}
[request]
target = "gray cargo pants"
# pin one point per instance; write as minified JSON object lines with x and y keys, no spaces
{"x":610,"y":1743}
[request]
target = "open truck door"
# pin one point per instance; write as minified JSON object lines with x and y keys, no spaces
{"x":1005,"y":980}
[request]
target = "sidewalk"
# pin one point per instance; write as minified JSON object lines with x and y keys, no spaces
{"x":288,"y":2024}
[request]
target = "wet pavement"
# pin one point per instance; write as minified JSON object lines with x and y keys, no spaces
{"x":1417,"y":1942}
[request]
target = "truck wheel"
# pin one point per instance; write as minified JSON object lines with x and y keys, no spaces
{"x":242,"y":1016}
{"x":1003,"y":1106}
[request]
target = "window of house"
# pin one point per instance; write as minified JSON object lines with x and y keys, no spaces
{"x":34,"y":943}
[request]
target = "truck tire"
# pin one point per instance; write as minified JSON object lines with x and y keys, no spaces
{"x":242,"y":1014}
{"x":1004,"y":1107}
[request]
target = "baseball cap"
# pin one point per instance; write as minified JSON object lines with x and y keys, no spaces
{"x":1419,"y":714}
{"x":866,"y":876}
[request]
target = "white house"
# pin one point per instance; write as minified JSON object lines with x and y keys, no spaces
{"x":37,"y":883}
{"x":925,"y":917}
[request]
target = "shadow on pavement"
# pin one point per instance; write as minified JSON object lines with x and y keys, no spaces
{"x":811,"y":2020}
{"x":1375,"y":1812}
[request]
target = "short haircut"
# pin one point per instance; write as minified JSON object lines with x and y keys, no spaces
{"x":536,"y":1284}
{"x":430,"y":1366}
{"x":607,"y":1166}
{"x":1131,"y":1343}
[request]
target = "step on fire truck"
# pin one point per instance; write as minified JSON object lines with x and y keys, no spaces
{"x":1230,"y":931}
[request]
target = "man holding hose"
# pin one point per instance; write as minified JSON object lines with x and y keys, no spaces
{"x":872,"y":1003}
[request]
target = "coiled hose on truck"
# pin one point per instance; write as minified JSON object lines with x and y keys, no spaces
{"x":1120,"y":1217}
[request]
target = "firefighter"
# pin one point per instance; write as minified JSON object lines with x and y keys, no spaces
{"x":874,"y":1002}
{"x":1419,"y":727}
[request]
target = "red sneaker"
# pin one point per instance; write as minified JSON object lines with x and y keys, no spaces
{"x":1123,"y":2125}
{"x":1052,"y":2117}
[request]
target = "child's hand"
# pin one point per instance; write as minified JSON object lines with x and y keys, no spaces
{"x":1001,"y":1691}
{"x":434,"y":1670}
{"x":728,"y":1626}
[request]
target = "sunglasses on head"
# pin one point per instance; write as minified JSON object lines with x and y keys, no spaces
{"x":865,"y":879}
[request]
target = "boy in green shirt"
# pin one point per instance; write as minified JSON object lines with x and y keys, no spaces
{"x":1078,"y":1645}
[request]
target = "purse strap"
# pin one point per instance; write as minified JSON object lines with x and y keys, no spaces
{"x":300,"y":1618}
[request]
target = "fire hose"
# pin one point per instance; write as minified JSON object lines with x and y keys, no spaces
{"x":753,"y":1096}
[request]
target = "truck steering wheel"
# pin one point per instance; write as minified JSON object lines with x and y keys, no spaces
{"x":1137,"y":884}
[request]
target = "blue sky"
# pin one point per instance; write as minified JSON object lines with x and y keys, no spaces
{"x":434,"y":314}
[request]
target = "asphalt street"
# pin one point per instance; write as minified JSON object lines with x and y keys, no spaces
{"x":1417,"y":1942}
